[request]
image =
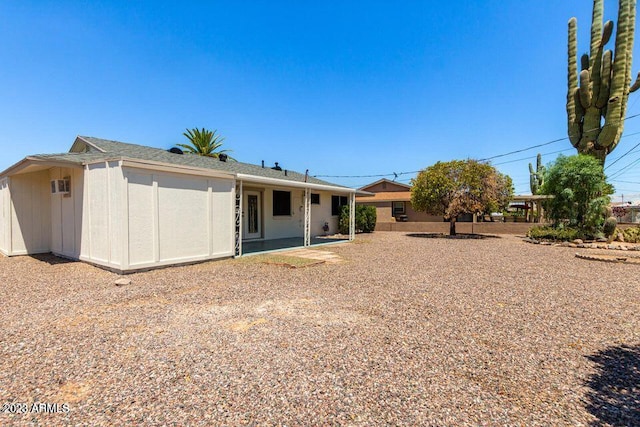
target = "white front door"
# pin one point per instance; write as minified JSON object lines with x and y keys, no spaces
{"x":252,"y":215}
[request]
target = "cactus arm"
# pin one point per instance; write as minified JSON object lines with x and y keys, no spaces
{"x":628,"y":60}
{"x":572,"y":88}
{"x":585,"y":89}
{"x":584,"y":62}
{"x":610,"y":134}
{"x":596,"y":29}
{"x":605,"y":84}
{"x":596,"y":69}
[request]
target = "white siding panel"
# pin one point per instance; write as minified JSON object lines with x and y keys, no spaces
{"x":98,"y":205}
{"x":116,"y":212}
{"x":30,"y":213}
{"x":141,"y":218}
{"x":182,"y":215}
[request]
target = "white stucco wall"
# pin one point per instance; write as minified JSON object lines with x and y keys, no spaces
{"x":322,"y":213}
{"x":176,"y":218}
{"x":278,"y":227}
{"x":5,"y":216}
{"x":30,"y":218}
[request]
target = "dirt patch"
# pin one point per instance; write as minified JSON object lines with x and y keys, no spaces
{"x":456,"y":236}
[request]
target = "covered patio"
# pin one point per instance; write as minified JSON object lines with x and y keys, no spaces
{"x":278,"y":214}
{"x":253,"y":247}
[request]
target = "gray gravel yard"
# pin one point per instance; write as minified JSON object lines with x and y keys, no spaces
{"x":405,"y":331}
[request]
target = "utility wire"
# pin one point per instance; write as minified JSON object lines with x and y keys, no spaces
{"x":621,"y":157}
{"x":480,"y":160}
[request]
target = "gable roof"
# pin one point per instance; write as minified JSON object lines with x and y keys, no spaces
{"x":400,"y":186}
{"x":87,"y":149}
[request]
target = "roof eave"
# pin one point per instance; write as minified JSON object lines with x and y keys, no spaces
{"x":295,"y":184}
{"x":30,"y":160}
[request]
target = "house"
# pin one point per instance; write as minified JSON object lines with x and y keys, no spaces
{"x":626,"y":212}
{"x":392,"y":201}
{"x":128,"y":207}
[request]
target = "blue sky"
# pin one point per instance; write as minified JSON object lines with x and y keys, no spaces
{"x":339,"y":88}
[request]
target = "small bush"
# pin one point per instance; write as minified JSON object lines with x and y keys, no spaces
{"x":631,"y":235}
{"x":550,"y":233}
{"x":609,"y":226}
{"x":365,"y":219}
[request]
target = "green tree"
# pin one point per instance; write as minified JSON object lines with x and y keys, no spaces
{"x":580,"y":192}
{"x":460,"y":186}
{"x":204,"y":143}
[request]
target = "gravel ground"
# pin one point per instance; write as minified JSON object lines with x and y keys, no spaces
{"x":406,"y":331}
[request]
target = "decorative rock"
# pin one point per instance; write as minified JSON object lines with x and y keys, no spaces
{"x":546,"y":243}
{"x":572,"y":245}
{"x":123,"y":282}
{"x":601,"y":239}
{"x":620,"y":237}
{"x":578,"y":241}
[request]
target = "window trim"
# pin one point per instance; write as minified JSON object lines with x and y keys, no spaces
{"x":404,"y":208}
{"x":279,"y":212}
{"x":340,"y":204}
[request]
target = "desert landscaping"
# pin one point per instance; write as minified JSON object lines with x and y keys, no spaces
{"x":391,"y":330}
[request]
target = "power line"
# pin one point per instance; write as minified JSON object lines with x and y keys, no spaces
{"x":621,"y":157}
{"x":531,"y":157}
{"x":619,"y":171}
{"x":480,"y":160}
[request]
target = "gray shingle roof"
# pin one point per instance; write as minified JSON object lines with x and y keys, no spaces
{"x":114,"y":149}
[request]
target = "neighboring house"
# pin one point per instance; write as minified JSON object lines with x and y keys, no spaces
{"x":129,"y":207}
{"x":392,"y":201}
{"x":626,"y":211}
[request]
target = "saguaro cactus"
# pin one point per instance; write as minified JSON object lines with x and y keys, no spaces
{"x":604,"y":82}
{"x":536,"y":178}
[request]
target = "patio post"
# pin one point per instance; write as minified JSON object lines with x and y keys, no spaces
{"x":238,"y":219}
{"x":307,"y":217}
{"x":352,"y":216}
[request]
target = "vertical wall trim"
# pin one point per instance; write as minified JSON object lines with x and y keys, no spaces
{"x":87,"y":204}
{"x":156,"y":218}
{"x":9,"y":229}
{"x":237,"y":220}
{"x":125,"y":223}
{"x":109,"y":219}
{"x":307,"y":217}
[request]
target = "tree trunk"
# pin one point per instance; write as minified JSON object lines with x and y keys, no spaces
{"x":452,"y":226}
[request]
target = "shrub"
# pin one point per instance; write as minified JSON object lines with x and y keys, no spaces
{"x":365,"y":219}
{"x":580,"y":193}
{"x":551,"y":233}
{"x":631,"y":235}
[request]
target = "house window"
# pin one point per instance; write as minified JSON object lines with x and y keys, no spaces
{"x":398,"y":208}
{"x":315,"y":199}
{"x":337,"y":202}
{"x":281,"y":203}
